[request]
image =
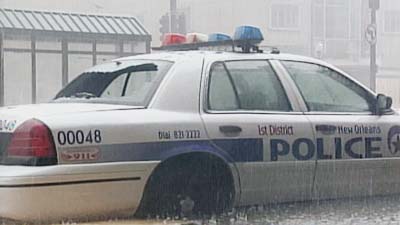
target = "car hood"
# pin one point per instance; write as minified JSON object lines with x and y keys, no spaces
{"x":12,"y":116}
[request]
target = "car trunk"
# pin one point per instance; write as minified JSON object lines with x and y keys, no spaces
{"x":25,"y":139}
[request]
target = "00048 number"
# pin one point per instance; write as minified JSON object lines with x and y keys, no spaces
{"x":78,"y":137}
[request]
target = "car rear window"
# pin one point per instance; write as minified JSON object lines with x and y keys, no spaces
{"x":132,"y":84}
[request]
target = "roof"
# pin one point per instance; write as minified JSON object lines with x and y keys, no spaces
{"x":220,"y":55}
{"x":26,"y":20}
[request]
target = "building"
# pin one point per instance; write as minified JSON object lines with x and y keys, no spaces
{"x":389,"y":49}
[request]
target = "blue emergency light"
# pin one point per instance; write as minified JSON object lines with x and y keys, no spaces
{"x":248,"y":38}
{"x":219,"y":37}
{"x":248,"y":33}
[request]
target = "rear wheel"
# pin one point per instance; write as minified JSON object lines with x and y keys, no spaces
{"x":202,"y":178}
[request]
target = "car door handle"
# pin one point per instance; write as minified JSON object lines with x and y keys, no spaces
{"x":325,"y":129}
{"x":230,"y":129}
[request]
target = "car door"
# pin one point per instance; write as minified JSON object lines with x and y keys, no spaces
{"x":249,"y":114}
{"x":356,"y":151}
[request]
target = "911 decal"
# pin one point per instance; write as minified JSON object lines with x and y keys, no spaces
{"x":78,"y":155}
{"x":79,"y":137}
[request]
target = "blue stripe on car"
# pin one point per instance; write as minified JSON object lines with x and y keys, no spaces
{"x":231,"y":150}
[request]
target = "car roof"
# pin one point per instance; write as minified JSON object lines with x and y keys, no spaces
{"x":221,"y":56}
{"x":209,"y":56}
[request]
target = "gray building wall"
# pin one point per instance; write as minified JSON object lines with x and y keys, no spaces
{"x":389,"y":34}
{"x":389,"y":49}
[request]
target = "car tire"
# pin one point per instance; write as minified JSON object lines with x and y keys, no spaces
{"x":203,"y":178}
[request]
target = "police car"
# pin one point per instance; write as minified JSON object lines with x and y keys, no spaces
{"x":144,"y":133}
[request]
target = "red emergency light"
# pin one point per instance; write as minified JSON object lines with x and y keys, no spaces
{"x":173,"y":39}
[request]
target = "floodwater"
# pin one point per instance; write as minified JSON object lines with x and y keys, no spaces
{"x":366,"y":211}
{"x":369,"y":211}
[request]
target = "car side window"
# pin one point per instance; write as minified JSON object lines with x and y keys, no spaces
{"x":253,"y":85}
{"x":325,"y":90}
{"x":221,"y":93}
{"x":140,"y":84}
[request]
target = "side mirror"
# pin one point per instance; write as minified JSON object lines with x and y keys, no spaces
{"x":383,"y":104}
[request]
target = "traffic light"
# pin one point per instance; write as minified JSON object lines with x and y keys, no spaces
{"x":164,"y":22}
{"x":181,"y":25}
{"x":374,"y":4}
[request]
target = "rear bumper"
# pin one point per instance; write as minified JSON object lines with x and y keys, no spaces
{"x":72,"y":191}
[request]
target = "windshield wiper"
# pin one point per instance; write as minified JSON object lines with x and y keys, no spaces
{"x":86,"y":95}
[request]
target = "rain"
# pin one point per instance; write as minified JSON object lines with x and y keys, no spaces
{"x":305,"y":178}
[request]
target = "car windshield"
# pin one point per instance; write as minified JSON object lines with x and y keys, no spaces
{"x":128,"y":83}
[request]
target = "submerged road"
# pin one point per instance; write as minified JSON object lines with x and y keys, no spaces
{"x":366,"y":211}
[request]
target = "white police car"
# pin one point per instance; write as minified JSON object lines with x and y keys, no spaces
{"x":142,"y":133}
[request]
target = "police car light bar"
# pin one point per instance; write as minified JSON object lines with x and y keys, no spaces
{"x":219,"y":37}
{"x":247,"y":38}
{"x":173,"y":39}
{"x":196,"y":46}
{"x":196,"y":38}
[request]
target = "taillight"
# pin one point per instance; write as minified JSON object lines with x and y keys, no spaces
{"x":31,"y":144}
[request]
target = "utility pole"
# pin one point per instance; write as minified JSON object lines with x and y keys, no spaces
{"x":312,"y":28}
{"x":173,"y":14}
{"x":371,"y":36}
{"x":2,"y":85}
